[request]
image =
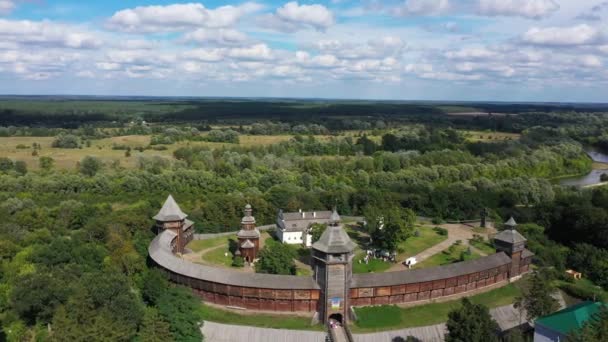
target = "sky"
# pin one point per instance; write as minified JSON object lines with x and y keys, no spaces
{"x":469,"y":50}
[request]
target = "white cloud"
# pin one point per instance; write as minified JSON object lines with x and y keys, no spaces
{"x":563,"y":36}
{"x":422,"y":7}
{"x":6,"y":7}
{"x":591,"y":61}
{"x":178,"y":17}
{"x":470,"y":53}
{"x":47,"y":33}
{"x":205,"y":55}
{"x":532,"y":9}
{"x":292,"y":17}
{"x":255,"y":52}
{"x":216,"y":36}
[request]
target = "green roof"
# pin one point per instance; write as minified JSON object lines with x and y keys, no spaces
{"x":569,"y":319}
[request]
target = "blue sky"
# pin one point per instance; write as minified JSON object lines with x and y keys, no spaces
{"x":504,"y":50}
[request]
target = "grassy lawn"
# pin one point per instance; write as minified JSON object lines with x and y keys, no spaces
{"x":485,"y":246}
{"x":213,"y":314}
{"x":374,"y":265}
{"x":199,"y":245}
{"x":416,"y":244}
{"x":445,"y":257}
{"x":218,"y":257}
{"x":391,"y":317}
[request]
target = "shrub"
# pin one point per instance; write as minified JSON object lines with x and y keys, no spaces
{"x":65,"y":141}
{"x":604,"y":177}
{"x":22,"y":147}
{"x":441,"y":231}
{"x":582,"y":292}
{"x":238,"y":261}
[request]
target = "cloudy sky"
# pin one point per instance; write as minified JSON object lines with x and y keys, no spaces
{"x":508,"y":50}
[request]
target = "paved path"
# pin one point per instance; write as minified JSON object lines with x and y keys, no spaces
{"x":215,"y":332}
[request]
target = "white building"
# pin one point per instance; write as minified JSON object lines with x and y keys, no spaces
{"x":294,"y":228}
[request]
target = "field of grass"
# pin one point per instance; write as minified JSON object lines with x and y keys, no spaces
{"x":416,"y":244}
{"x":488,"y":136}
{"x":391,"y":317}
{"x":219,"y":256}
{"x":214,"y":314}
{"x":102,"y":149}
{"x":485,"y":246}
{"x":374,"y":265}
{"x":199,"y":245}
{"x":445,"y":257}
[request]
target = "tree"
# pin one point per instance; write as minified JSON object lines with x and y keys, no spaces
{"x":21,"y":167}
{"x":6,"y":164}
{"x":316,"y":230}
{"x":179,"y":307}
{"x":46,"y":163}
{"x":153,"y":328}
{"x":89,"y":166}
{"x":537,"y":297}
{"x":65,"y":141}
{"x":471,"y":323}
{"x":594,"y":330}
{"x":276,"y":258}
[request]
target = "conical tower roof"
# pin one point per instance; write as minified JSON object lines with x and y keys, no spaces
{"x":510,"y":236}
{"x":335,"y":217}
{"x":334,"y":240}
{"x":511,"y":223}
{"x":170,"y":211}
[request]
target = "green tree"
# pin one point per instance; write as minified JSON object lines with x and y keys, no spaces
{"x":537,"y":297}
{"x":21,"y":167}
{"x":65,"y":141}
{"x":276,"y":258}
{"x":316,"y":229}
{"x":35,"y":297}
{"x":153,"y":328}
{"x":89,"y":166}
{"x":6,"y":164}
{"x":179,"y":307}
{"x":46,"y":163}
{"x":471,"y":323}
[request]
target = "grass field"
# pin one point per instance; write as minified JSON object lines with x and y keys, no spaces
{"x":391,"y":317}
{"x":485,"y":246}
{"x":374,"y":265}
{"x":102,"y":148}
{"x":199,"y":245}
{"x":445,"y":257}
{"x":416,"y":244}
{"x":214,"y":314}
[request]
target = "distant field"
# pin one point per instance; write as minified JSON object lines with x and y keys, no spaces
{"x":482,"y":136}
{"x":102,"y":149}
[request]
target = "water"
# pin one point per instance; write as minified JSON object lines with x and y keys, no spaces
{"x":592,"y":177}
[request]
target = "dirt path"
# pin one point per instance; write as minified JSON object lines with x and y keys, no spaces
{"x":455,"y":232}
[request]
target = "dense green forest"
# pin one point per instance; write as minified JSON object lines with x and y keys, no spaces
{"x":73,"y":242}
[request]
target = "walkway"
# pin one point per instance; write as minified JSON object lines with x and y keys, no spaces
{"x":237,"y":333}
{"x":455,"y":232}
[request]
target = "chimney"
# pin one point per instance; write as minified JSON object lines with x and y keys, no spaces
{"x":300,"y":210}
{"x":303,"y":214}
{"x":314,"y":214}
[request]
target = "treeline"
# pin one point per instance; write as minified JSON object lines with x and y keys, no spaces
{"x":76,"y":271}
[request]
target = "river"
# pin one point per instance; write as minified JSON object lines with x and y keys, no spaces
{"x":592,"y":177}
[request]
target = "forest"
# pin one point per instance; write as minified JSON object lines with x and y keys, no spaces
{"x":73,"y":240}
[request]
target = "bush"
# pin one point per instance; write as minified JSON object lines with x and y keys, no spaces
{"x":65,"y":141}
{"x":238,"y":261}
{"x":441,"y":231}
{"x":582,"y":292}
{"x":604,"y":177}
{"x":437,"y":220}
{"x":22,"y":147}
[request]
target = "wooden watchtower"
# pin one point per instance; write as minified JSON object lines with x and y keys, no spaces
{"x":332,"y":258}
